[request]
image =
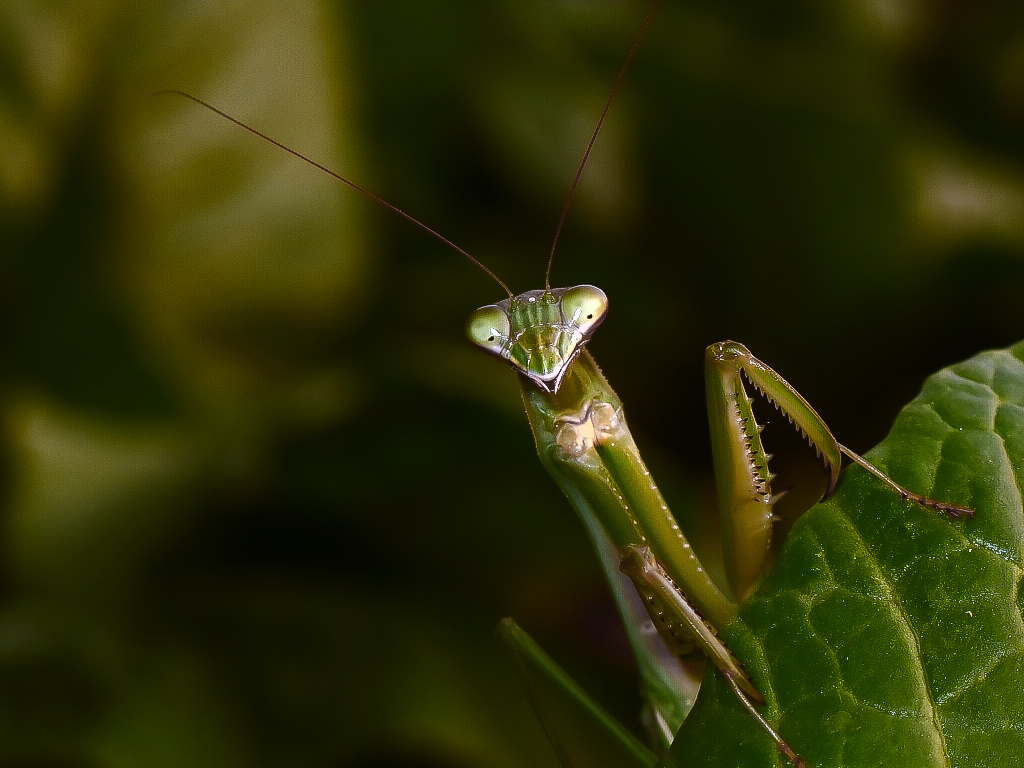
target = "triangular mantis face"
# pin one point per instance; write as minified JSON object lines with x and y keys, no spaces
{"x":540,"y":333}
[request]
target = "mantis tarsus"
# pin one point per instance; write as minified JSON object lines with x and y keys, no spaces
{"x":582,"y":439}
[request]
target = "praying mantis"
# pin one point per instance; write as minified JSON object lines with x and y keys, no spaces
{"x":583,"y":441}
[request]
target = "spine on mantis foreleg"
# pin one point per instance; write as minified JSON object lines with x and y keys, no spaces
{"x":583,"y":442}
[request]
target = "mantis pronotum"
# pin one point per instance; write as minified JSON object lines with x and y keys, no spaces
{"x":583,"y":441}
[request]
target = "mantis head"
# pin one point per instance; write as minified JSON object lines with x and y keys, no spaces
{"x":540,"y":333}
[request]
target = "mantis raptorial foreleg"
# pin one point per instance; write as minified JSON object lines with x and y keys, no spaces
{"x":742,"y":476}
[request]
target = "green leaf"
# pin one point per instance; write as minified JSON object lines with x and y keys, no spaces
{"x":888,"y":634}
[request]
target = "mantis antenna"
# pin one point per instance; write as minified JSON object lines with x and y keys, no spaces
{"x":339,"y":177}
{"x":593,"y":137}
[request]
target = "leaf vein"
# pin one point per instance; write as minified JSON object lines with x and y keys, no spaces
{"x":895,"y":604}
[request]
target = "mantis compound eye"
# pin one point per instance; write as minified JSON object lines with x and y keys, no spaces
{"x":584,"y":306}
{"x":489,"y":328}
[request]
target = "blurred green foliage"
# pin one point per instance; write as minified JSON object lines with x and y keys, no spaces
{"x":262,"y":505}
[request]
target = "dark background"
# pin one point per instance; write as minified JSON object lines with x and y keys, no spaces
{"x":262,"y":503}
